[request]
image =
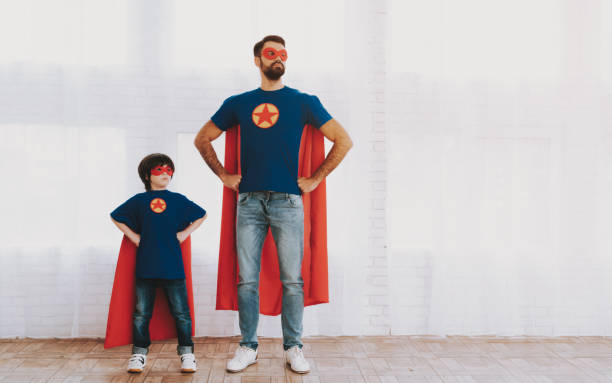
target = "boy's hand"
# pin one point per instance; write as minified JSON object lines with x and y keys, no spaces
{"x":136,"y":239}
{"x":181,"y":236}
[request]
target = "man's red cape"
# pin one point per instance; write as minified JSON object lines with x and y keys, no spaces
{"x":314,"y":264}
{"x":123,"y":300}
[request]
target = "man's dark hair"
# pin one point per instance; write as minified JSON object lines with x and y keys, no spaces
{"x":257,"y":48}
{"x":148,"y":163}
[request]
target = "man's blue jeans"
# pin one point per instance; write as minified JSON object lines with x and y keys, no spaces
{"x":284,"y":214}
{"x":176,"y":291}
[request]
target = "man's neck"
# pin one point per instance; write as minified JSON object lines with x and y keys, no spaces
{"x":269,"y":85}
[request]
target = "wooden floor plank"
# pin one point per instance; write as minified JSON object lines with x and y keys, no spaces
{"x":392,"y":359}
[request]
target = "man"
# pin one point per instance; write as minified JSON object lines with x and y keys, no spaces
{"x":271,"y":120}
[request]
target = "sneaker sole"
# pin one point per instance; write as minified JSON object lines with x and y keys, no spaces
{"x":134,"y":371}
{"x":187,"y":370}
{"x":250,"y":364}
{"x":296,"y":371}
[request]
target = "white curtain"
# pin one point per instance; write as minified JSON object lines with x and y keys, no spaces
{"x":475,"y":199}
{"x":90,"y":87}
{"x":499,"y":184}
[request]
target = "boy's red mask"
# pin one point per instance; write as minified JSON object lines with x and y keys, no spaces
{"x":159,"y":170}
{"x":271,"y":53}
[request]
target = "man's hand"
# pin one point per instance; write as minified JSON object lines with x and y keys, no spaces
{"x":334,"y":132}
{"x":231,"y":181}
{"x":181,"y":236}
{"x":135,"y":238}
{"x":307,"y":185}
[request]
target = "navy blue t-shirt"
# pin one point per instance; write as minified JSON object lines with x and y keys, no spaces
{"x":157,"y":216}
{"x":271,"y":125}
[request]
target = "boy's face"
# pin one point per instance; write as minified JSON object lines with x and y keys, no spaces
{"x":160,"y":176}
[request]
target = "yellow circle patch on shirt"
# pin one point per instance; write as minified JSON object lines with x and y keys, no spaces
{"x":158,"y":205}
{"x":265,"y":115}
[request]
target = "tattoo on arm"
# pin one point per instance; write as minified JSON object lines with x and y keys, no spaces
{"x":333,"y":159}
{"x":210,"y":157}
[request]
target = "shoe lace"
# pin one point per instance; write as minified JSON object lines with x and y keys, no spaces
{"x":297,"y":353}
{"x":137,"y":358}
{"x":243,"y":352}
{"x":188,"y":357}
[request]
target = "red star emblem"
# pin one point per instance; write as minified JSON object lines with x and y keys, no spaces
{"x":158,"y":205}
{"x":265,"y":115}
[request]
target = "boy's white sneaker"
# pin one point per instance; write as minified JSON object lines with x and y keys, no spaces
{"x":137,"y":363}
{"x":188,"y":363}
{"x":295,"y":359}
{"x":243,"y":358}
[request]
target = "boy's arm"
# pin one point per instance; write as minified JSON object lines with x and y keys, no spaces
{"x":181,"y":235}
{"x":134,"y":237}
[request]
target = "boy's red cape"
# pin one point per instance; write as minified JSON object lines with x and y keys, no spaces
{"x":123,"y":300}
{"x":314,"y":264}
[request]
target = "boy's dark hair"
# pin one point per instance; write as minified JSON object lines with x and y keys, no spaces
{"x":148,"y":163}
{"x":259,"y":45}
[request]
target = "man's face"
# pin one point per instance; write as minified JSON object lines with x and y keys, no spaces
{"x":272,"y":68}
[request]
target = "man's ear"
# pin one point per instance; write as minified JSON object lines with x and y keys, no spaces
{"x":257,"y":61}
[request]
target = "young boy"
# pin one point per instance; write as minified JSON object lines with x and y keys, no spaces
{"x":157,"y":221}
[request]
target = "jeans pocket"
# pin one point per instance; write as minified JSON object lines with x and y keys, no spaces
{"x":243,"y":198}
{"x":295,"y":200}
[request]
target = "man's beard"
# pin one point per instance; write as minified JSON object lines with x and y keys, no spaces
{"x":273,"y":72}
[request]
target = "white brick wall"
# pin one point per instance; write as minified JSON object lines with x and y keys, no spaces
{"x":152,"y":108}
{"x":555,"y":149}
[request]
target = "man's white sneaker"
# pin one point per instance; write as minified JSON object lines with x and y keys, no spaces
{"x":295,"y":359}
{"x":243,"y":358}
{"x":137,"y":363}
{"x":188,"y":363}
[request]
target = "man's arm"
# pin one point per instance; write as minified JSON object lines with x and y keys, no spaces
{"x":206,"y":135}
{"x":334,"y":132}
{"x":132,"y":236}
{"x":181,"y":235}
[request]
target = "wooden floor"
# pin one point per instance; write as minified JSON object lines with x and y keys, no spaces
{"x":333,"y":359}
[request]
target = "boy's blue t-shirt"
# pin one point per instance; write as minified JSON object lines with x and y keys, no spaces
{"x":157,"y":216}
{"x":271,"y":125}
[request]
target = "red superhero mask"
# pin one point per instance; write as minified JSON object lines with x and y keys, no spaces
{"x":271,"y":53}
{"x":159,"y":170}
